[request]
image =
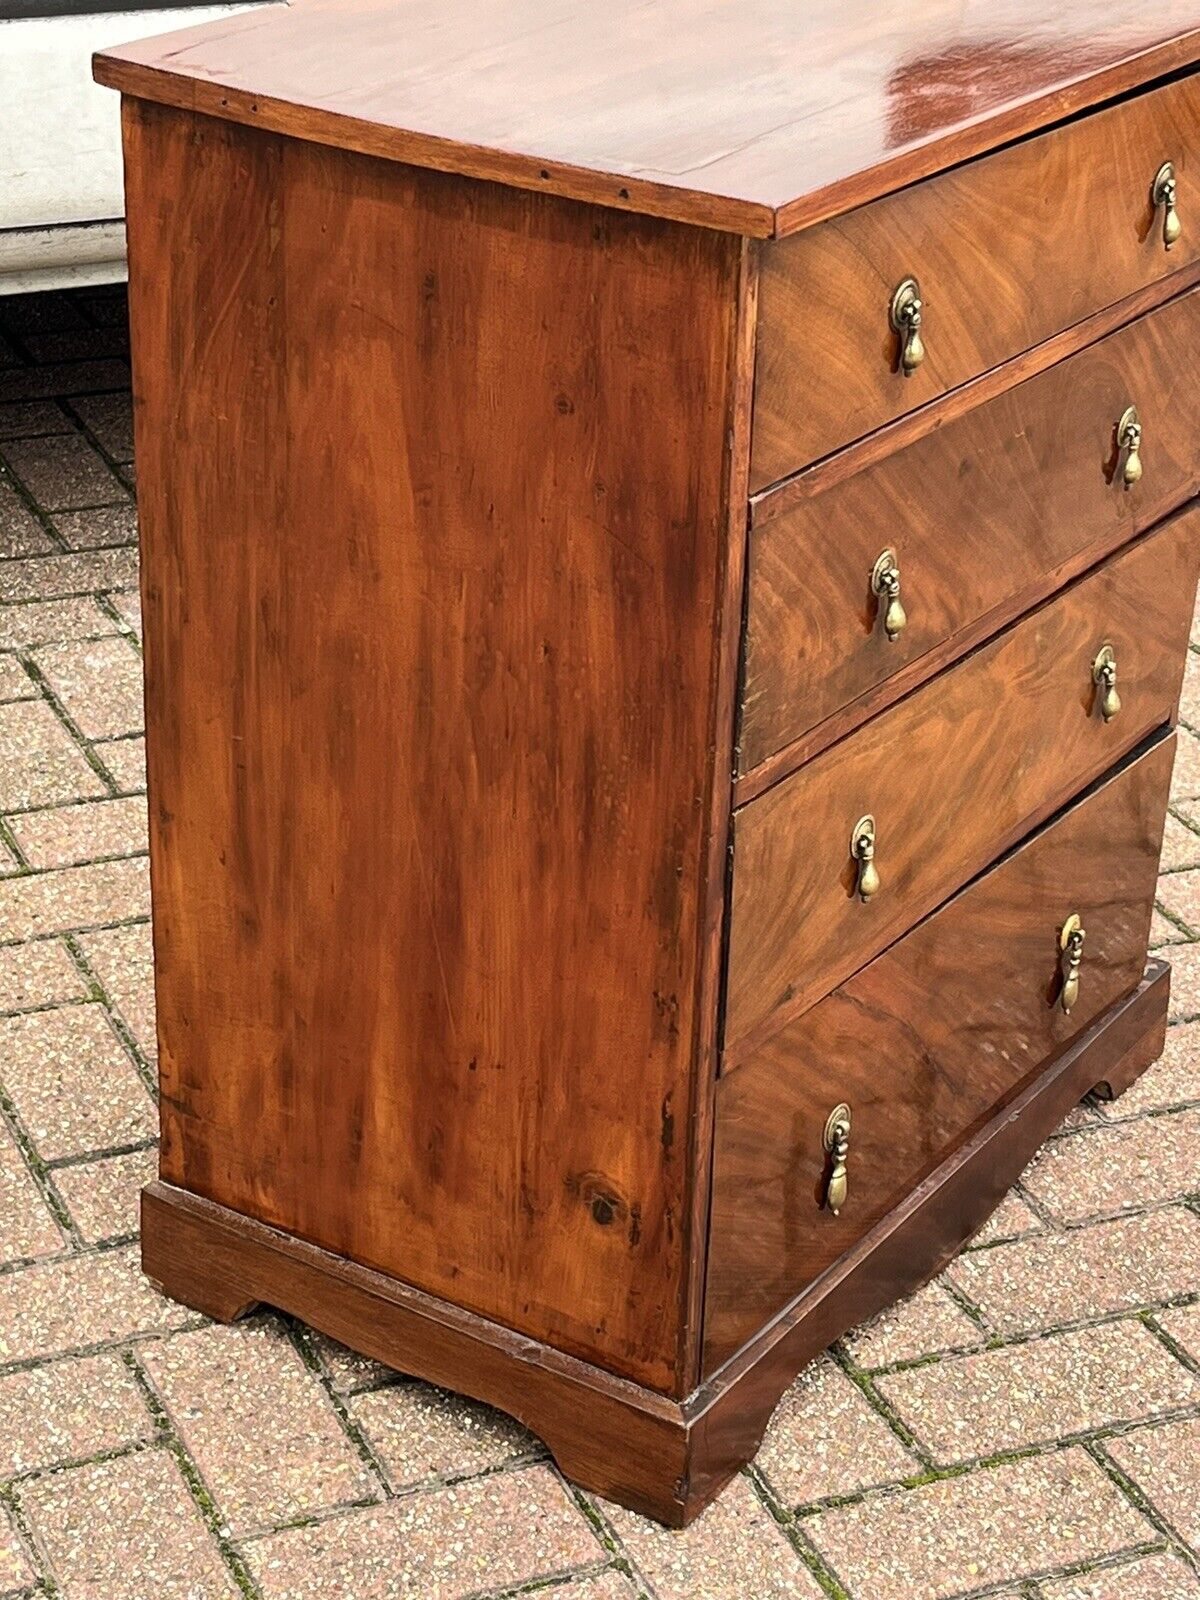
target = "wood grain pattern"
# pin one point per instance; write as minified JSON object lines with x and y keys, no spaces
{"x":432,"y":602}
{"x":897,"y":435}
{"x":760,"y":125}
{"x":953,"y":774}
{"x":622,"y":1441}
{"x":979,"y":511}
{"x":927,"y":1229}
{"x":1008,"y":250}
{"x":727,"y":640}
{"x":456,"y":376}
{"x":666,"y":1458}
{"x":925,"y":1042}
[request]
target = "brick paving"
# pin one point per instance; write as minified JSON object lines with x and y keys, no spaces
{"x":1027,"y":1427}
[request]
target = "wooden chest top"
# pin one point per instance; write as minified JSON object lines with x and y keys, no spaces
{"x":760,"y":118}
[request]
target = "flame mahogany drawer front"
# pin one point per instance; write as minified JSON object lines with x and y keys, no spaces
{"x":657,"y":744}
{"x":988,"y":512}
{"x":918,"y":1076}
{"x":1005,"y":252}
{"x":951,"y":776}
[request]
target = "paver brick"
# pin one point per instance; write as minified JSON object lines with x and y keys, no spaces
{"x":123,"y":960}
{"x":38,"y":974}
{"x":40,"y":764}
{"x":420,"y":1433}
{"x":21,"y":534}
{"x":1181,"y":844}
{"x":101,"y":527}
{"x":1164,"y":933}
{"x":15,"y":1571}
{"x":27,"y":1227}
{"x":824,"y":1439}
{"x":346,"y":1369}
{"x":126,"y":1529}
{"x":1183,"y":1325}
{"x":1173,"y":1080}
{"x":1164,"y":1462}
{"x":110,"y":418}
{"x":126,"y":760}
{"x":734,"y":1549}
{"x":63,"y":379}
{"x":1185,"y":780}
{"x":1179,"y":895}
{"x":74,"y":898}
{"x":99,"y":683}
{"x":26,"y":419}
{"x":1119,"y":1167}
{"x":103,"y":1197}
{"x":1047,"y":1389}
{"x":128,"y":603}
{"x":1011,"y":1219}
{"x":1161,"y":1577}
{"x":59,"y":1306}
{"x":258,"y":1424}
{"x":605,"y":1586}
{"x":1184,"y":983}
{"x":1108,"y":1266}
{"x":69,"y":835}
{"x":489,"y":1533}
{"x":63,"y":471}
{"x":66,"y":1410}
{"x":77,"y":344}
{"x":51,"y":577}
{"x":987,"y":1527}
{"x":15,"y":682}
{"x":42,"y":621}
{"x":927,"y":1321}
{"x":74,"y":1087}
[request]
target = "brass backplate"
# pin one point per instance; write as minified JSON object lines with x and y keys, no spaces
{"x":838,"y":1117}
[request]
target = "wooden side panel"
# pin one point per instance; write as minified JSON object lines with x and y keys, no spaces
{"x":433,"y":491}
{"x":978,"y":511}
{"x":953,"y":774}
{"x":924,"y":1044}
{"x":1008,"y":250}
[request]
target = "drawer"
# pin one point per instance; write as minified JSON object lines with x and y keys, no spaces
{"x":1007,"y":251}
{"x":952,"y":774}
{"x":978,"y":513}
{"x":922,"y":1045}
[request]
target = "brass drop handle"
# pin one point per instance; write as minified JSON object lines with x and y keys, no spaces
{"x":1104,"y":676}
{"x":862,"y":848}
{"x":837,"y":1145}
{"x":885,"y":582}
{"x":906,"y":314}
{"x":1164,"y":195}
{"x":1070,"y":944}
{"x":1129,"y":443}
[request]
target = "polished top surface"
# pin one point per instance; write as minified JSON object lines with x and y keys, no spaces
{"x":759,"y":116}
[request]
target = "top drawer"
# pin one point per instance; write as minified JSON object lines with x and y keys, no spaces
{"x":1007,"y":250}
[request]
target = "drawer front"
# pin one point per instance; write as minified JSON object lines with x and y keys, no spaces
{"x":953,"y":774}
{"x":922,"y":1045}
{"x":978,"y":513}
{"x":1007,"y":251}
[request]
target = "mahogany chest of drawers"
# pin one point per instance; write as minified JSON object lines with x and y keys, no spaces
{"x":668,"y":553}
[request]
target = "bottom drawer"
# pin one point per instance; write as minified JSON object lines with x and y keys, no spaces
{"x":923,"y":1044}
